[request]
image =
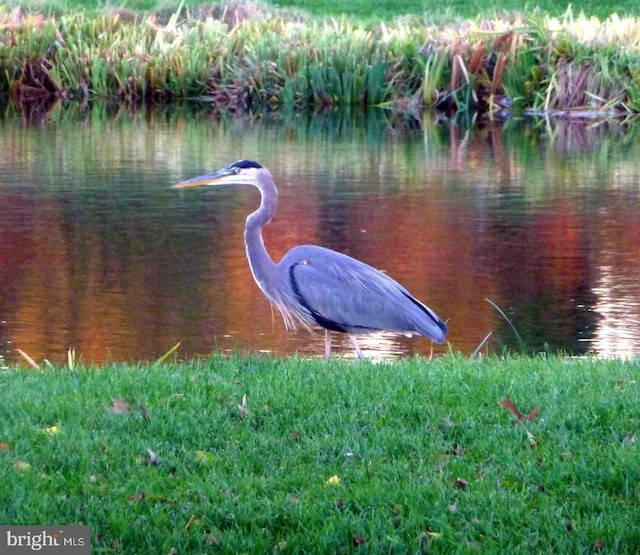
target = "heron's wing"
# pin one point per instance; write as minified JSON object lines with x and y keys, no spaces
{"x":344,"y":294}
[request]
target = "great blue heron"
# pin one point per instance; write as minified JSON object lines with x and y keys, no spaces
{"x":314,"y":285}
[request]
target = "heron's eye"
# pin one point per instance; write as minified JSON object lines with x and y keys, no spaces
{"x":236,"y":170}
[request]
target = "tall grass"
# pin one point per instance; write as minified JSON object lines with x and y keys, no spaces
{"x":245,"y":57}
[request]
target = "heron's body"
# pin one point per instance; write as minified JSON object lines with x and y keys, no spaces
{"x":317,"y":286}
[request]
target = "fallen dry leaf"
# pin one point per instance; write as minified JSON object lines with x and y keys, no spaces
{"x":358,"y":540}
{"x":533,"y":442}
{"x":188,"y":524}
{"x":333,"y":481}
{"x":144,"y":412}
{"x":120,"y":406}
{"x":462,"y":483}
{"x":5,"y":447}
{"x":153,"y":457}
{"x":141,"y":497}
{"x":510,"y":406}
{"x":242,"y":407}
{"x":203,"y":455}
{"x":138,"y":498}
{"x":456,"y":451}
{"x":280,"y":547}
{"x":21,"y":465}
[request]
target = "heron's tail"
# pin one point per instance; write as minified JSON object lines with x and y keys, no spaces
{"x":428,"y":324}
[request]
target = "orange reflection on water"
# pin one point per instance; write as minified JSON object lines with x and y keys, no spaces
{"x":470,"y":220}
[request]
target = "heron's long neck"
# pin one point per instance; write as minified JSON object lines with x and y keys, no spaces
{"x":262,"y":266}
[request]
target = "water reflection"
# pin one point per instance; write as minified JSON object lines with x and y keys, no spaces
{"x":98,"y":253}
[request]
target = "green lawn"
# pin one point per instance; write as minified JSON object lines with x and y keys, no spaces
{"x":438,"y":11}
{"x":366,"y":10}
{"x":250,"y":455}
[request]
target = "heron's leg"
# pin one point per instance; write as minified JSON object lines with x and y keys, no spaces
{"x":354,"y":342}
{"x":327,"y":344}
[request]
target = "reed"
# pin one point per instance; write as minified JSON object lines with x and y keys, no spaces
{"x":244,"y":57}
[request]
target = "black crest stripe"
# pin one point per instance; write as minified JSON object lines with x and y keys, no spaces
{"x":245,"y":164}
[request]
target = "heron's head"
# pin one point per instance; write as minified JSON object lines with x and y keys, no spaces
{"x":242,"y":172}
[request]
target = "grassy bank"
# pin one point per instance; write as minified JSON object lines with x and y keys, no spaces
{"x":251,"y":57}
{"x":362,"y":10}
{"x":252,"y":455}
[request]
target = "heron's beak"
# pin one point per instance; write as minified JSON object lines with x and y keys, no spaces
{"x":221,"y":177}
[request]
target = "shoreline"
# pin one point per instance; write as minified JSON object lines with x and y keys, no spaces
{"x":249,"y":59}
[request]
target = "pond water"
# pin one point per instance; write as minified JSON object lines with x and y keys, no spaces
{"x":99,"y":254}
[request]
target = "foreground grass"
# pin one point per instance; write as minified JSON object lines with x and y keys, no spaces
{"x":256,"y":455}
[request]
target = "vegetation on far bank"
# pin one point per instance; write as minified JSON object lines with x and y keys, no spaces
{"x":252,"y":57}
{"x":231,"y":455}
{"x":360,"y":10}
